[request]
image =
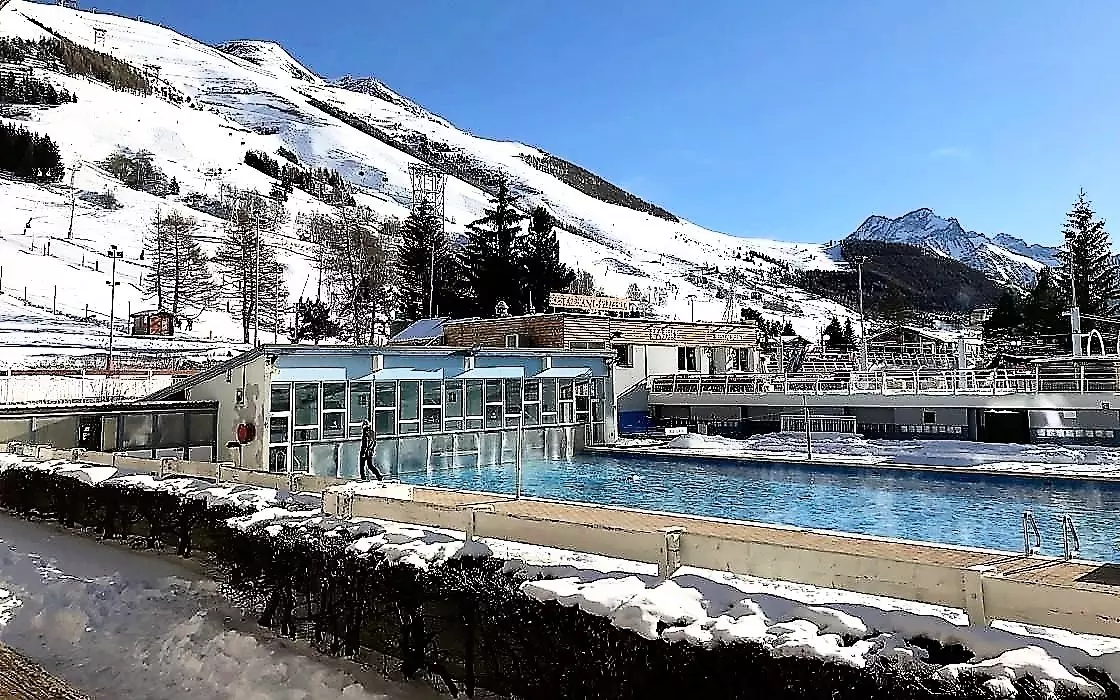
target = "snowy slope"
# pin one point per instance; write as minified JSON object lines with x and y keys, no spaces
{"x":254,"y":95}
{"x":1005,"y":259}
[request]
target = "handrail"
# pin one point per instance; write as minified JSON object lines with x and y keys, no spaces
{"x":1030,"y":525}
{"x":1069,"y":532}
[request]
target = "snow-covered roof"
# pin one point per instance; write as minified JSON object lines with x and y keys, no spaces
{"x":939,"y":336}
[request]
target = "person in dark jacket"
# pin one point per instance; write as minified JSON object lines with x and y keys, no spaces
{"x":365,"y":453}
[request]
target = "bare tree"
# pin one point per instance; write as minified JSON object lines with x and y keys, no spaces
{"x":251,"y":278}
{"x":356,"y":260}
{"x":180,"y":279}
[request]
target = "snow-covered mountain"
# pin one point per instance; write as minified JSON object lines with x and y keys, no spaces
{"x":1005,"y":259}
{"x":253,"y":95}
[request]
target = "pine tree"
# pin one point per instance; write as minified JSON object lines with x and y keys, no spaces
{"x":540,"y":262}
{"x":493,"y":252}
{"x":834,"y":334}
{"x":180,"y":279}
{"x":1087,"y":255}
{"x":237,"y":264}
{"x":428,"y":264}
{"x":1006,"y":318}
{"x":1042,"y":312}
{"x":314,"y":322}
{"x":634,"y":292}
{"x":849,"y":334}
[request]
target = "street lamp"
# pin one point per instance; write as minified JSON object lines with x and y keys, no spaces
{"x":114,"y":256}
{"x":73,"y":197}
{"x":692,"y":304}
{"x":859,"y":261}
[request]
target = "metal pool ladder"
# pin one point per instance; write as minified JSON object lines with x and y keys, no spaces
{"x":1069,"y":536}
{"x":1030,"y":527}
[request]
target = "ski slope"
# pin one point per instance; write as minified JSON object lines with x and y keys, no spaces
{"x":253,"y":95}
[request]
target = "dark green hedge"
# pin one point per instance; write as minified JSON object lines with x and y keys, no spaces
{"x":465,"y":622}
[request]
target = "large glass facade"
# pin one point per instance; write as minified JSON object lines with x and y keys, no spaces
{"x":316,"y":427}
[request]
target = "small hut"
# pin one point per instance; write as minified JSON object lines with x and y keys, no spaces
{"x":153,"y":323}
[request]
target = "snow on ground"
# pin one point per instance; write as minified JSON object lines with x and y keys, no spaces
{"x":1064,"y":460}
{"x":694,"y":606}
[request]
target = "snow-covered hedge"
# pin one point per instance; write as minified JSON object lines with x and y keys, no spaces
{"x":448,"y":609}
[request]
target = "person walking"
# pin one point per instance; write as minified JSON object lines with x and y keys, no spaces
{"x":365,"y":453}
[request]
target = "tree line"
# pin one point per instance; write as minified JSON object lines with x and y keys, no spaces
{"x":27,"y":90}
{"x":79,"y":60}
{"x":1086,"y":277}
{"x":29,"y":154}
{"x":322,"y":183}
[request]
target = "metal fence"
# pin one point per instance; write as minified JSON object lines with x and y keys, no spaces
{"x":794,"y":423}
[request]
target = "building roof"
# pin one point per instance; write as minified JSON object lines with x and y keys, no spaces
{"x":98,"y":407}
{"x":421,"y":332}
{"x":751,"y":323}
{"x":246,"y":357}
{"x":939,"y":336}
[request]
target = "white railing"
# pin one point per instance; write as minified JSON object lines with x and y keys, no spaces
{"x":928,"y":382}
{"x":794,"y":423}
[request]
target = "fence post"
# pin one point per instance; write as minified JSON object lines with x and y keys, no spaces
{"x":670,"y":559}
{"x":1,"y":279}
{"x":54,"y":301}
{"x":25,"y":295}
{"x":86,"y":317}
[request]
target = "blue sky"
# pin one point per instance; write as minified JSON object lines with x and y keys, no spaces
{"x":794,"y":120}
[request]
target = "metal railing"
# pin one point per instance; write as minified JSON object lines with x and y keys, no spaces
{"x":895,"y":382}
{"x":1030,"y":529}
{"x":794,"y":423}
{"x":1071,"y":543}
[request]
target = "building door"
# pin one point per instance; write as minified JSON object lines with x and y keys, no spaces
{"x":89,"y":433}
{"x":1006,"y":427}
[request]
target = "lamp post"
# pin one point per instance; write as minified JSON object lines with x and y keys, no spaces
{"x":114,"y":256}
{"x":692,"y":305}
{"x":808,"y":431}
{"x":73,"y":196}
{"x":862,"y":328}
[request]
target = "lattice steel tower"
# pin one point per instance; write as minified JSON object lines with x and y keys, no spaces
{"x":430,"y":185}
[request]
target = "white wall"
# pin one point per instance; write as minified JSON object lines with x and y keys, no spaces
{"x":256,"y":380}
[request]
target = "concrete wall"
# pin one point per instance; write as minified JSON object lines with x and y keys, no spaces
{"x":255,"y":379}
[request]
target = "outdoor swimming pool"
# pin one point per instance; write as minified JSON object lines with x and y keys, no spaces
{"x":968,"y":510}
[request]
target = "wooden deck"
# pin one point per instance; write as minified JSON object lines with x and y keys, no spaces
{"x":21,"y":679}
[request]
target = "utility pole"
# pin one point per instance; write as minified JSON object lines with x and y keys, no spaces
{"x":114,"y":256}
{"x":257,"y":284}
{"x":73,"y":198}
{"x":1074,"y":313}
{"x":692,"y":305}
{"x":432,"y":282}
{"x":862,"y":327}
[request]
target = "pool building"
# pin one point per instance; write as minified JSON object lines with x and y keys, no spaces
{"x":300,"y":408}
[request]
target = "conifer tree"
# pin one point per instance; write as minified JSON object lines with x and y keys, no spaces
{"x":1087,"y":256}
{"x":493,"y":252}
{"x":1007,"y":318}
{"x":237,"y":265}
{"x":428,"y":265}
{"x":314,"y":322}
{"x":1042,"y":311}
{"x":180,"y":279}
{"x":543,"y":272}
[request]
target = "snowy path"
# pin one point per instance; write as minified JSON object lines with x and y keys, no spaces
{"x":118,"y":623}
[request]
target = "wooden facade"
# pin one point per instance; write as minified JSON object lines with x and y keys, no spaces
{"x":587,"y":331}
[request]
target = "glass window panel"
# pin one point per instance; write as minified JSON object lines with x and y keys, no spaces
{"x":567,"y":415}
{"x":598,"y":409}
{"x":409,"y":428}
{"x":474,"y":423}
{"x":385,"y":423}
{"x":548,"y":396}
{"x":565,"y":390}
{"x":171,"y":430}
{"x":385,"y":457}
{"x":386,"y":395}
{"x":599,"y":388}
{"x":513,"y":421}
{"x":137,"y":431}
{"x":301,"y":458}
{"x":532,"y":414}
{"x":493,"y":391}
{"x":307,"y":404}
{"x":532,"y":390}
{"x":202,"y":428}
{"x":513,"y":396}
{"x":409,"y":400}
{"x":474,"y":398}
{"x":278,"y":429}
{"x":305,"y":434}
{"x":108,"y":431}
{"x":348,"y":460}
{"x":334,"y":424}
{"x":413,"y":455}
{"x":359,"y":402}
{"x":355,"y":430}
{"x":334,"y":396}
{"x":324,"y":460}
{"x":433,"y":420}
{"x":494,"y":416}
{"x":432,"y":391}
{"x":278,"y":459}
{"x":453,"y":399}
{"x":281,"y":398}
{"x":442,"y":443}
{"x":467,"y":442}
{"x":456,"y":424}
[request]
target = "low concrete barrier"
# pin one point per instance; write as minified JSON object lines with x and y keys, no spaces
{"x":1078,"y":596}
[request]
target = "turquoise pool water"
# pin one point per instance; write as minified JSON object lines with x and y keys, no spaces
{"x":974,"y":511}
